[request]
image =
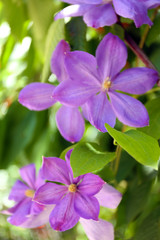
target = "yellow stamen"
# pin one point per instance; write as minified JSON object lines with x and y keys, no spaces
{"x":29,"y":193}
{"x":106,"y":84}
{"x":72,"y":188}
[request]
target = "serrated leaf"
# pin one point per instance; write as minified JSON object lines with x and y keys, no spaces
{"x":153,"y":109}
{"x":140,"y":146}
{"x":85,"y":159}
{"x":55,"y":34}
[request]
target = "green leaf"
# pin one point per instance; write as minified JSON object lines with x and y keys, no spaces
{"x":154,"y":33}
{"x":154,"y":119}
{"x":85,"y":159}
{"x":140,"y":146}
{"x":55,"y":34}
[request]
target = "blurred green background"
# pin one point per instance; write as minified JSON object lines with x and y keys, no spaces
{"x":28,"y":36}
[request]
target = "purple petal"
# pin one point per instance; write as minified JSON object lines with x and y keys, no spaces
{"x":55,"y":169}
{"x":99,"y":111}
{"x":57,"y":60}
{"x":73,"y":11}
{"x":40,"y":180}
{"x":109,"y":197}
{"x":28,"y":174}
{"x":74,"y":94}
{"x":152,"y":3}
{"x":135,"y":80}
{"x":20,"y":215}
{"x":36,"y":208}
{"x":98,"y":230}
{"x":83,"y":1}
{"x":34,"y":221}
{"x":111,"y":56}
{"x":70,"y":123}
{"x":90,"y":184}
{"x":100,"y":16}
{"x":18,"y":191}
{"x":128,"y":110}
{"x":133,"y":9}
{"x":13,"y":209}
{"x":86,"y":206}
{"x":63,"y":216}
{"x":37,"y":96}
{"x":70,"y":171}
{"x":50,"y":193}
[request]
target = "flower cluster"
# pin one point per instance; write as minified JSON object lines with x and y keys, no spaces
{"x":100,"y":13}
{"x":76,"y":199}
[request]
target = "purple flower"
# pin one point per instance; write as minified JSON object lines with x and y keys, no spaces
{"x":26,"y":213}
{"x":100,"y":13}
{"x":96,"y":83}
{"x":38,"y":96}
{"x":76,"y":199}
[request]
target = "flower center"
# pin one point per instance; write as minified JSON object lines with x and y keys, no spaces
{"x":72,"y":188}
{"x":106,"y":84}
{"x":29,"y":193}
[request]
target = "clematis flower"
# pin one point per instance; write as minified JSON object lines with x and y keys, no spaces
{"x":100,"y":13}
{"x":96,"y":84}
{"x":76,"y":199}
{"x":26,"y":213}
{"x":38,"y":96}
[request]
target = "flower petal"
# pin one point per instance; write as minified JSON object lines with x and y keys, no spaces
{"x":74,"y":94}
{"x":37,"y":96}
{"x":28,"y":174}
{"x":73,"y":11}
{"x":50,"y":193}
{"x":67,"y":158}
{"x":63,"y":216}
{"x":34,"y":221}
{"x":86,"y":206}
{"x":109,"y":197}
{"x":57,"y":60}
{"x":133,"y":9}
{"x":152,"y":3}
{"x":40,"y":180}
{"x":20,"y":215}
{"x":90,"y":184}
{"x":99,"y":111}
{"x":135,"y":80}
{"x":36,"y":208}
{"x":55,"y":169}
{"x":111,"y":56}
{"x":98,"y":230}
{"x":83,"y":1}
{"x":18,"y":191}
{"x":129,"y":110}
{"x":70,"y":123}
{"x":100,"y":16}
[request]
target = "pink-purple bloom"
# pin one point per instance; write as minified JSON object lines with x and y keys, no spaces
{"x":99,"y":13}
{"x":26,"y":213}
{"x":96,"y":84}
{"x":38,"y":96}
{"x":76,"y":199}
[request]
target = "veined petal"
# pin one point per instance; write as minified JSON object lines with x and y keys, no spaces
{"x":57,"y":60}
{"x":70,"y":123}
{"x":74,"y":93}
{"x":109,"y":197}
{"x":34,"y":221}
{"x":82,"y":66}
{"x":40,"y":180}
{"x":50,"y":193}
{"x":18,"y":191}
{"x":111,"y":56}
{"x":98,"y":230}
{"x":135,"y":80}
{"x":36,"y":208}
{"x":55,"y":169}
{"x":100,"y":16}
{"x":28,"y":174}
{"x":20,"y":215}
{"x":99,"y":111}
{"x":151,"y":3}
{"x":37,"y":96}
{"x":90,"y":184}
{"x":86,"y":206}
{"x":133,"y":9}
{"x":63,"y":216}
{"x":129,"y":110}
{"x":75,"y":10}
